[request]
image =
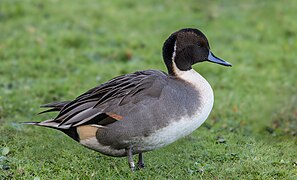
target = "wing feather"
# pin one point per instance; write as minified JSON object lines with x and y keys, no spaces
{"x":106,"y":104}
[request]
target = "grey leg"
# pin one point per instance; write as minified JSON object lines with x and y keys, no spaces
{"x":140,"y":162}
{"x":130,"y":159}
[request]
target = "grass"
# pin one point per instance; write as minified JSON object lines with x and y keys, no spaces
{"x":54,"y":50}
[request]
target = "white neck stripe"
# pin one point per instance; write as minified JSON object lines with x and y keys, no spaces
{"x":175,"y":69}
{"x":174,"y":52}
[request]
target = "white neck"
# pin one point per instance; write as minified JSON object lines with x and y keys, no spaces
{"x":190,"y":76}
{"x":194,"y":78}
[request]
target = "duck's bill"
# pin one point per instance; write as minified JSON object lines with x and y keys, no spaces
{"x":214,"y":59}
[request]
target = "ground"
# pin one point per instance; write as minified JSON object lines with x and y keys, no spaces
{"x":55,"y":50}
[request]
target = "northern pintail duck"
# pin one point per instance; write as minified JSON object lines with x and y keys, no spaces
{"x":139,"y":112}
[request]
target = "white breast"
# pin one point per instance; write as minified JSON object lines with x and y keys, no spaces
{"x":185,"y":125}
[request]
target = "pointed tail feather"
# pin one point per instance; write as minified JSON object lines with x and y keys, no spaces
{"x":58,"y":105}
{"x":51,"y":123}
{"x":67,"y":129}
{"x":49,"y":110}
{"x":55,"y":106}
{"x":30,"y":123}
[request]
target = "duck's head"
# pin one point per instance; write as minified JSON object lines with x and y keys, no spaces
{"x":187,"y":47}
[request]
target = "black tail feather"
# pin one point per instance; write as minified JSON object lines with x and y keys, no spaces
{"x":49,"y":110}
{"x":58,"y":105}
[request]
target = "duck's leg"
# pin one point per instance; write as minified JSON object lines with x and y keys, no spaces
{"x":140,"y":162}
{"x":130,"y":158}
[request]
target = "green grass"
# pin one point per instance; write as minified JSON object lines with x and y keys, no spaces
{"x":54,"y":50}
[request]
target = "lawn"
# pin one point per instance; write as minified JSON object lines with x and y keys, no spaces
{"x":55,"y":50}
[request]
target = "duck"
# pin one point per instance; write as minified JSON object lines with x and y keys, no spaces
{"x":139,"y":112}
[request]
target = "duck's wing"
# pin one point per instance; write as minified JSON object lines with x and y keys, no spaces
{"x":110,"y":101}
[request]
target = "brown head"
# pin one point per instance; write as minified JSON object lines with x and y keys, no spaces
{"x":186,"y":47}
